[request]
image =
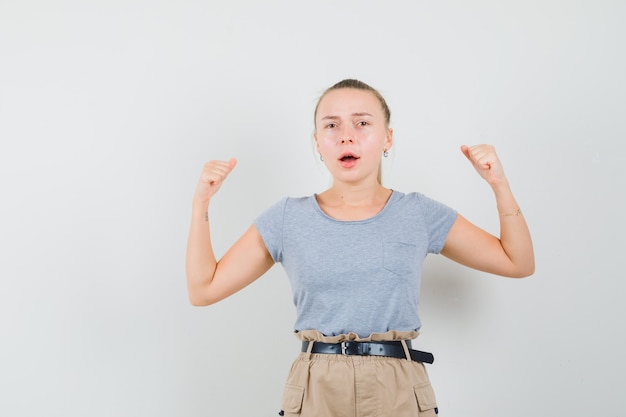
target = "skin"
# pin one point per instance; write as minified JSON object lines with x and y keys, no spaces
{"x":351,"y":121}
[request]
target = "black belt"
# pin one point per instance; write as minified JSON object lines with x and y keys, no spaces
{"x":393,"y":349}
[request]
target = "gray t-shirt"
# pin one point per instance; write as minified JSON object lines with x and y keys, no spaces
{"x":355,"y":276}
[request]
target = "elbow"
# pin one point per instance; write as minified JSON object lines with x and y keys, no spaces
{"x":198,"y":291}
{"x":198,"y":297}
{"x":197,"y":301}
{"x":524,"y":271}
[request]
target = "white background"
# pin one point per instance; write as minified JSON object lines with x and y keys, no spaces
{"x":108,"y":110}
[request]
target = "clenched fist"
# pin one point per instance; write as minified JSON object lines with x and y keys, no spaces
{"x":486,"y":162}
{"x":213,"y":175}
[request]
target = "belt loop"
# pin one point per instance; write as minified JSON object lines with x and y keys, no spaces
{"x":309,"y":348}
{"x":406,"y":350}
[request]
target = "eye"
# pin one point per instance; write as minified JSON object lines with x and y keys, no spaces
{"x":362,"y":123}
{"x":331,"y":125}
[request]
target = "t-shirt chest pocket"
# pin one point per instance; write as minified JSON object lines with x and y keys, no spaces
{"x":400,"y":258}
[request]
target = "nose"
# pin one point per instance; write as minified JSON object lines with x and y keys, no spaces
{"x":346,"y":135}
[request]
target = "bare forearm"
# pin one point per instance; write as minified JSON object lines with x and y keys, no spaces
{"x":510,"y":255}
{"x":514,"y":233}
{"x":200,"y":261}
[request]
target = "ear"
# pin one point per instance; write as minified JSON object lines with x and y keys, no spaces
{"x":317,"y":145}
{"x":388,"y":139}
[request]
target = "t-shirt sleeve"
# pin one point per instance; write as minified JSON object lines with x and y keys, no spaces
{"x":270,"y":227}
{"x":438,"y":218}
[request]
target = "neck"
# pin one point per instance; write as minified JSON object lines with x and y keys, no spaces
{"x":356,"y":195}
{"x":351,"y":203}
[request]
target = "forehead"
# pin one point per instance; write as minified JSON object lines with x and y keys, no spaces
{"x":348,"y":101}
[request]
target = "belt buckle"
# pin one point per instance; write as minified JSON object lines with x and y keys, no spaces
{"x":355,"y":348}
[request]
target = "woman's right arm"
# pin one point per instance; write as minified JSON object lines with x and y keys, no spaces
{"x":210,"y":280}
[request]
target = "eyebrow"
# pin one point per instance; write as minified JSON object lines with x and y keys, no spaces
{"x":358,"y":114}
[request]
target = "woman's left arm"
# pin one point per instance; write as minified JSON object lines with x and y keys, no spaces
{"x":512,"y":254}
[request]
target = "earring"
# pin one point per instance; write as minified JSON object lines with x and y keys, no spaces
{"x":321,"y":158}
{"x":385,"y":153}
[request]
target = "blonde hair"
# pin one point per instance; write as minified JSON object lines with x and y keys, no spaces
{"x":359,"y":85}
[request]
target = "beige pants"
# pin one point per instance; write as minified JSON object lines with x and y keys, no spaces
{"x":327,"y":385}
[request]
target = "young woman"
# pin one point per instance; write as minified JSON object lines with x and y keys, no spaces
{"x":353,"y":255}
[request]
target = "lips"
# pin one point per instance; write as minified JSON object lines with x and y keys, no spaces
{"x":348,"y":156}
{"x":348,"y":159}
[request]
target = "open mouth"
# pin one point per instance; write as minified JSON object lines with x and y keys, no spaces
{"x":348,"y":160}
{"x":348,"y":157}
